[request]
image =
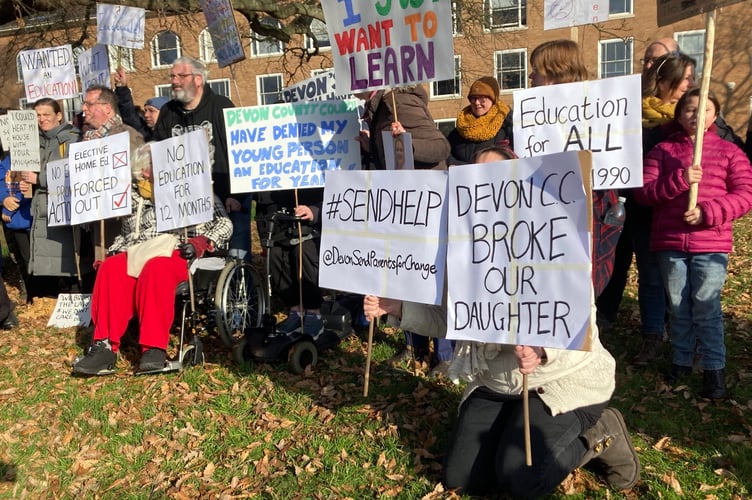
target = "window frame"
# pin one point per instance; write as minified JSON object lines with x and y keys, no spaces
{"x":157,"y":58}
{"x":126,"y":54}
{"x":626,"y":13}
{"x":457,"y":82}
{"x":627,"y":61}
{"x":488,"y":15}
{"x":206,"y":47}
{"x":309,"y":40}
{"x":257,"y":41}
{"x":699,"y":57}
{"x":261,"y":95}
{"x":499,"y":71}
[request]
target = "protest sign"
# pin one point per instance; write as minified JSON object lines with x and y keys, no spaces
{"x":520,"y":252}
{"x":100,"y":178}
{"x":120,"y":25}
{"x":182,"y":181}
{"x":58,"y":193}
{"x":291,"y":145}
{"x":220,"y":19}
{"x":5,"y":131}
{"x":671,"y":11}
{"x":94,"y":67}
{"x":384,"y":233}
{"x":386,"y":44}
{"x":601,"y":116}
{"x":316,"y":88}
{"x":49,"y":72}
{"x":24,"y":140}
{"x":567,"y":13}
{"x":71,"y":309}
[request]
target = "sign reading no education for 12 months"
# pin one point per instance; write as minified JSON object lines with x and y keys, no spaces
{"x":182,"y":181}
{"x":384,"y":233}
{"x":519,"y":247}
{"x":291,"y":145}
{"x":100,"y":178}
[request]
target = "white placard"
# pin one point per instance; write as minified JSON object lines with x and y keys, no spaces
{"x":601,"y":116}
{"x":24,"y":140}
{"x":58,"y":193}
{"x":71,"y":309}
{"x":384,"y":233}
{"x":317,"y":88}
{"x":120,"y":25}
{"x":5,"y":132}
{"x":49,"y":72}
{"x":519,"y":252}
{"x":100,"y":178}
{"x":182,"y":181}
{"x":567,"y":13}
{"x":291,"y":145}
{"x":94,"y":67}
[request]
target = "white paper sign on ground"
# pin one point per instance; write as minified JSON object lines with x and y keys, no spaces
{"x":71,"y":309}
{"x":94,"y":67}
{"x":120,"y":25}
{"x":519,"y":252}
{"x":24,"y":140}
{"x":49,"y":72}
{"x":384,"y":233}
{"x":601,"y":116}
{"x":182,"y":181}
{"x":100,"y":178}
{"x":58,"y":193}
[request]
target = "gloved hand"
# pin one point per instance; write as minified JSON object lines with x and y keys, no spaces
{"x":195,"y":247}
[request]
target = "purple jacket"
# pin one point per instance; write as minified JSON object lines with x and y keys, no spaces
{"x":724,"y":193}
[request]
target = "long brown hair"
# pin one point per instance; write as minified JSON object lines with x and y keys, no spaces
{"x":559,"y":61}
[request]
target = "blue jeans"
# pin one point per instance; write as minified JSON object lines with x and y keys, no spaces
{"x":443,"y":349}
{"x":651,"y":294}
{"x":694,"y":283}
{"x":240,"y":241}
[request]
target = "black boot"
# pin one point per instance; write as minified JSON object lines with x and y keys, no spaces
{"x":677,"y":373}
{"x":714,"y":384}
{"x":610,"y":450}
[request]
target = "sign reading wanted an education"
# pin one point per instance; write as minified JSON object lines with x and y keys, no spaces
{"x":520,"y":252}
{"x":49,"y":72}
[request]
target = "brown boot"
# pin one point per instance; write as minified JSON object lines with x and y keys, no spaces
{"x":610,"y":450}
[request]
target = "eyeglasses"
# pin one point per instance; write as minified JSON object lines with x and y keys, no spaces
{"x":180,"y":76}
{"x":90,"y":104}
{"x":480,"y":98}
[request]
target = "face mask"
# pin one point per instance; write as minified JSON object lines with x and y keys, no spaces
{"x":145,"y":189}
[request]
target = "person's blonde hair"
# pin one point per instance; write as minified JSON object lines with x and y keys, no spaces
{"x":141,"y":161}
{"x":559,"y":61}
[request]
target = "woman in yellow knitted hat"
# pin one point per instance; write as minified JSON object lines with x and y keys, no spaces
{"x":485,"y":122}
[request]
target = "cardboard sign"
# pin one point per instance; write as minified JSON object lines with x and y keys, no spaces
{"x":71,"y":310}
{"x":49,"y":72}
{"x":384,"y":233}
{"x":182,"y":181}
{"x":24,"y":140}
{"x":120,"y":25}
{"x":316,"y":88}
{"x":220,"y":19}
{"x":58,"y":193}
{"x":100,"y":178}
{"x":600,"y":116}
{"x":671,"y":11}
{"x":94,"y":67}
{"x":387,"y":44}
{"x":5,"y":132}
{"x":520,"y":252}
{"x":292,"y":145}
{"x":567,"y":13}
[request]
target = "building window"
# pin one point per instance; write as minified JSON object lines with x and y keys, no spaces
{"x":206,"y":47}
{"x":619,"y":7}
{"x":164,"y":91}
{"x":615,"y":58}
{"x":221,"y":87}
{"x":320,"y":36}
{"x":692,"y":43}
{"x":511,"y":69}
{"x":165,"y":48}
{"x":266,"y":46}
{"x":446,"y":126}
{"x":269,"y":89}
{"x":120,"y":56}
{"x":456,"y":17}
{"x":505,"y":13}
{"x":450,"y":87}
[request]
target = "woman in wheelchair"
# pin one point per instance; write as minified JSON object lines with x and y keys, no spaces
{"x":121,"y":291}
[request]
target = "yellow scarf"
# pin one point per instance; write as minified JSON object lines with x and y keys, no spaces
{"x":145,"y":189}
{"x":483,"y":128}
{"x":655,"y":112}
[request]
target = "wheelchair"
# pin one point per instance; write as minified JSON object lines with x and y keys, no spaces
{"x":223,"y":292}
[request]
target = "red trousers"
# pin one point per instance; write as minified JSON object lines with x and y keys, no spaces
{"x":118,"y":297}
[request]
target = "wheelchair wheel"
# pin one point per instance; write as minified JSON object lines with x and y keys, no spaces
{"x":240,"y":301}
{"x":303,"y":354}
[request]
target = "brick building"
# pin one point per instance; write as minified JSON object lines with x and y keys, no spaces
{"x":499,"y":45}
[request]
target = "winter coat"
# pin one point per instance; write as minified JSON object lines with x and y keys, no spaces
{"x":52,"y":248}
{"x":174,"y":120}
{"x":20,"y":219}
{"x":128,"y":113}
{"x":430,"y":147}
{"x":724,"y":193}
{"x":464,"y":150}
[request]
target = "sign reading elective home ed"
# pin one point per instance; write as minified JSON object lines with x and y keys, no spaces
{"x":100,"y":178}
{"x":600,"y":116}
{"x":520,"y":252}
{"x":384,"y":233}
{"x":58,"y":193}
{"x":290,"y":145}
{"x":49,"y":72}
{"x":182,"y":181}
{"x":389,"y":43}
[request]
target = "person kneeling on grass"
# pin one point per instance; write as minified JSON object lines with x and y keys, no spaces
{"x":118,"y":295}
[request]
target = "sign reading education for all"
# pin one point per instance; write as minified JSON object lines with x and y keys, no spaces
{"x":384,"y":233}
{"x":24,"y":140}
{"x":182,"y":181}
{"x":120,"y":25}
{"x":100,"y":178}
{"x":389,"y":43}
{"x":220,"y":19}
{"x":519,"y":247}
{"x":48,"y":72}
{"x":58,"y":193}
{"x":291,"y":145}
{"x":600,"y":116}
